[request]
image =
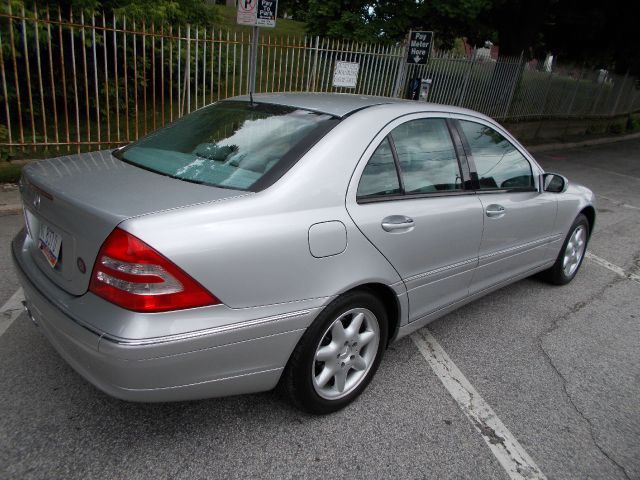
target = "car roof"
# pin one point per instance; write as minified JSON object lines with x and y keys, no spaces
{"x":343,"y":104}
{"x":336,"y":104}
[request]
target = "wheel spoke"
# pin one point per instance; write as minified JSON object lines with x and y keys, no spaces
{"x":359,"y":363}
{"x":337,"y":332}
{"x":353,"y":329}
{"x":365,"y":337}
{"x":325,"y":353}
{"x":565,"y":261}
{"x":325,"y":375}
{"x":341,"y":380}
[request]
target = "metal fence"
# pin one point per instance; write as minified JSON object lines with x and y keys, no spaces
{"x":71,"y":81}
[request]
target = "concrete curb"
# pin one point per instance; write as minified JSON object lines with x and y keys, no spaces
{"x":584,"y":143}
{"x":14,"y":209}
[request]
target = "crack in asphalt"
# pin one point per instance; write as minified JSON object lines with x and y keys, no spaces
{"x":555,"y":324}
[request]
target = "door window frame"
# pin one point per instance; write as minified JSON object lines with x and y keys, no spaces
{"x":385,"y":134}
{"x":536,"y":170}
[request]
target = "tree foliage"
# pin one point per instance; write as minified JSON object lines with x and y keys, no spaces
{"x":161,"y":11}
{"x":597,"y":33}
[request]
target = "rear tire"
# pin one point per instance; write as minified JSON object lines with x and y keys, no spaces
{"x":571,"y":255}
{"x":338,"y":355}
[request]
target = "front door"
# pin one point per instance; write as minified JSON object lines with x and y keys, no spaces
{"x":518,"y":218}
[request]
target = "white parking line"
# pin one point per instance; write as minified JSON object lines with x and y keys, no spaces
{"x":11,"y":310}
{"x":614,"y":268}
{"x":504,"y":446}
{"x":624,"y":205}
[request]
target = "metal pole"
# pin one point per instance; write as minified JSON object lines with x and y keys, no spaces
{"x":253,"y":55}
{"x":467,"y":75}
{"x":615,"y":105}
{"x":575,"y":92}
{"x":516,"y":80}
{"x":402,"y":69}
{"x":311,"y":81}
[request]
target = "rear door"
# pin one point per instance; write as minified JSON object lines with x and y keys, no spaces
{"x":410,"y":197}
{"x":518,"y":217}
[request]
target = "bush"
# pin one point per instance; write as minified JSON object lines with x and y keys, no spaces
{"x":615,"y":128}
{"x":9,"y":173}
{"x":633,"y":123}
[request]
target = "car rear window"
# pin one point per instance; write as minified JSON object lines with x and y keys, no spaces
{"x":230,"y":144}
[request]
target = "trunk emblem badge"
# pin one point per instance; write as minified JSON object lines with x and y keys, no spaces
{"x":36,"y":200}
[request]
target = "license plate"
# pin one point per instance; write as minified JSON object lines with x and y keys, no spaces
{"x":49,"y":243}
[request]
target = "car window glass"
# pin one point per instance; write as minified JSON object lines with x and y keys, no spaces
{"x":379,"y":176}
{"x":428,"y":161}
{"x":231,"y":144}
{"x":499,"y":164}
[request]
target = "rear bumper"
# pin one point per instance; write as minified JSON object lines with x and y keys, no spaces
{"x":244,"y":357}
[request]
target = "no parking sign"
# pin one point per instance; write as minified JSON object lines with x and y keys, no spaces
{"x":261,"y":13}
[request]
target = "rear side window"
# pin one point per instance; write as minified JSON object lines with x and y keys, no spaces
{"x":428,"y":161}
{"x":499,"y":164}
{"x":228,"y":144}
{"x":380,"y":176}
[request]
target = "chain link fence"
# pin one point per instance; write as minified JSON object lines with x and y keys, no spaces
{"x":75,"y":82}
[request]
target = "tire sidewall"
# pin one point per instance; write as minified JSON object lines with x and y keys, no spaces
{"x":301,"y":370}
{"x":561,"y":277}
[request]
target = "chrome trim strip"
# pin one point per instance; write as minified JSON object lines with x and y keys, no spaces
{"x":441,"y":269}
{"x":534,"y":243}
{"x":208,"y":331}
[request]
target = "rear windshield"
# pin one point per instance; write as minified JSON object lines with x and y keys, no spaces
{"x":230,"y":144}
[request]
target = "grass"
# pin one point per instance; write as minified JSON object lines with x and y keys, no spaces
{"x":9,"y":173}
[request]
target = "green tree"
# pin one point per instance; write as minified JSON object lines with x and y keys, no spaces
{"x":161,"y":11}
{"x":390,"y":20}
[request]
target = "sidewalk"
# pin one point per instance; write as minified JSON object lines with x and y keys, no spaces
{"x":9,"y":199}
{"x":10,"y":196}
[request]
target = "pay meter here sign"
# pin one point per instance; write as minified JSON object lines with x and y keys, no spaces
{"x":419,"y":47}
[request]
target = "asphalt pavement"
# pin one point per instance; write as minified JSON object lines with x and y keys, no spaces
{"x":559,"y":366}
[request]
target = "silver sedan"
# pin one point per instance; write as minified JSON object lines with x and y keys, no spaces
{"x":283,"y":241}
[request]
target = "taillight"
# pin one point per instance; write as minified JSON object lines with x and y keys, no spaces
{"x":131,"y":274}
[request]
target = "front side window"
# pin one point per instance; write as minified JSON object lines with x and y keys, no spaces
{"x":230,"y":144}
{"x":427,"y":159}
{"x":499,"y":164}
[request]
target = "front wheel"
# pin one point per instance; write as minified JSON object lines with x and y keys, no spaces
{"x":338,"y":355}
{"x":571,"y":255}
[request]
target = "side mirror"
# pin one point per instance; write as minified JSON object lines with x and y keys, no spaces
{"x":554,"y":183}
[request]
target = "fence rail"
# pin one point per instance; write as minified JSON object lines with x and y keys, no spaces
{"x":71,"y":81}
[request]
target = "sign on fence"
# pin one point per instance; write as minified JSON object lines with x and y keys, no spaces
{"x":419,"y":47}
{"x":247,"y":12}
{"x":346,"y":74}
{"x":267,"y":10}
{"x":257,"y":13}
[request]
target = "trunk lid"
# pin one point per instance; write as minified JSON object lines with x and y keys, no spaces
{"x":82,"y":198}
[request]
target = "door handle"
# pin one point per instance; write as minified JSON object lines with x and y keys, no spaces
{"x":394,"y":223}
{"x":495,"y":210}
